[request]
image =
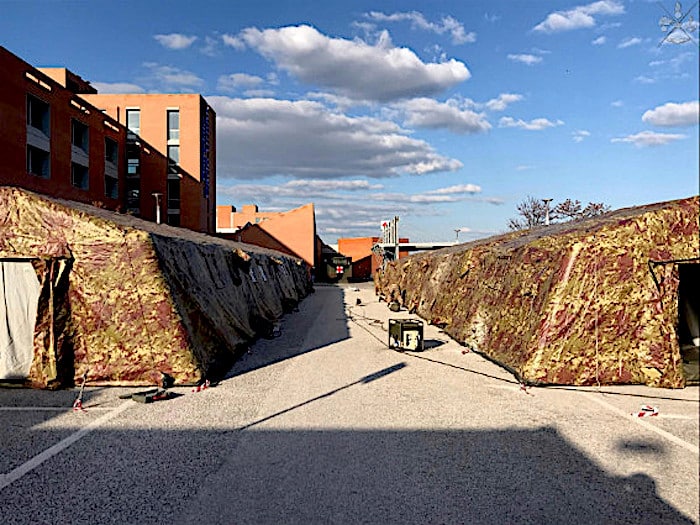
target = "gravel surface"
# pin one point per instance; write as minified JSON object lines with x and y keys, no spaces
{"x":325,"y":424}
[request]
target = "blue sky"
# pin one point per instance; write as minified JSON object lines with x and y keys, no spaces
{"x":445,"y":113}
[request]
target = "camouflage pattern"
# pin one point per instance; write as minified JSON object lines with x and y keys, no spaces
{"x":580,"y":303}
{"x":127,"y":299}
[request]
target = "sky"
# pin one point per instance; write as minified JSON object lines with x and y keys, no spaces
{"x":446,"y":114}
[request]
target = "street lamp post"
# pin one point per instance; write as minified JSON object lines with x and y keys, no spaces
{"x":546,"y":210}
{"x":157,"y":196}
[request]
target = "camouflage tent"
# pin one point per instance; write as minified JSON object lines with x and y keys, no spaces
{"x":125,"y":299}
{"x":612,"y":299}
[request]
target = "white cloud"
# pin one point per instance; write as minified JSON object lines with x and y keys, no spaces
{"x":599,"y":41}
{"x":579,"y":17}
{"x":235,"y":81}
{"x":305,"y":139}
{"x":416,"y":199}
{"x":525,"y":58}
{"x":172,"y":78}
{"x":457,"y":189}
{"x":429,"y":113}
{"x":446,"y":25}
{"x":649,"y":138}
{"x":117,"y":87}
{"x":175,"y":40}
{"x":298,"y":189}
{"x":676,"y":67}
{"x":233,"y":41}
{"x":333,"y":185}
{"x":580,"y":134}
{"x":354,"y":68}
{"x":644,"y":80}
{"x":523,"y":167}
{"x":629,"y":42}
{"x":210,"y":46}
{"x":673,"y":115}
{"x":501,"y":102}
{"x":534,"y":125}
{"x":617,"y":103}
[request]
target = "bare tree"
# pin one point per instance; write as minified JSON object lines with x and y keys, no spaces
{"x":533,"y":212}
{"x":569,"y":209}
{"x":594,"y":208}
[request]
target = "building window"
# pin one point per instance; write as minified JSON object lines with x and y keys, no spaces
{"x":111,"y":151}
{"x":174,"y":195}
{"x":79,"y":176}
{"x":79,"y":135}
{"x":111,"y":168}
{"x":38,"y":115}
{"x":173,"y":159}
{"x":173,"y":125}
{"x":111,"y":187}
{"x":174,"y":154}
{"x":132,"y":166}
{"x":38,"y":162}
{"x":133,"y":195}
{"x":133,"y":121}
{"x":133,"y":160}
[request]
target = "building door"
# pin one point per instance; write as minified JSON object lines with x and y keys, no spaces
{"x":689,"y":318}
{"x":19,"y":298}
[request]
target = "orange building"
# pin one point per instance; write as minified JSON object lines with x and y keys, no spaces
{"x":59,"y":137}
{"x":183,"y":128}
{"x":364,"y":262}
{"x":292,"y":232}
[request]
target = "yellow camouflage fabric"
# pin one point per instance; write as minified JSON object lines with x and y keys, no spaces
{"x":577,"y":303}
{"x":127,"y":299}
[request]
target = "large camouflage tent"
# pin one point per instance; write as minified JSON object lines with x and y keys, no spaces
{"x":125,"y":299}
{"x":613,"y":299}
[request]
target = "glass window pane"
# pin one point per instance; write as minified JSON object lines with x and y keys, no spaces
{"x":133,"y":120}
{"x":173,"y":125}
{"x":174,"y":153}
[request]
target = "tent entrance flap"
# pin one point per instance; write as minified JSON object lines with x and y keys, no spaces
{"x":19,"y":299}
{"x":688,"y":318}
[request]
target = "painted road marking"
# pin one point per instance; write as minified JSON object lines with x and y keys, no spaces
{"x":14,"y":475}
{"x":643,"y":422}
{"x":48,"y":409}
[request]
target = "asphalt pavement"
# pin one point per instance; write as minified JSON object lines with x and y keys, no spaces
{"x":326,"y":424}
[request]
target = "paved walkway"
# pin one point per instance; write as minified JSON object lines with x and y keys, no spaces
{"x":325,"y":424}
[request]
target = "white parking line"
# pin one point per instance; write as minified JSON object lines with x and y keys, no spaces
{"x":48,"y":409}
{"x":14,"y":475}
{"x":644,"y":423}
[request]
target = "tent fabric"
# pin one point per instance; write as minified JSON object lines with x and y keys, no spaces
{"x":19,"y":299}
{"x":584,"y":302}
{"x":126,"y":299}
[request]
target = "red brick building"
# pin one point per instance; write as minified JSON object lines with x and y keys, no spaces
{"x":59,"y":137}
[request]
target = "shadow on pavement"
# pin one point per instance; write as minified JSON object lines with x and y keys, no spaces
{"x":322,"y":313}
{"x":331,"y":476}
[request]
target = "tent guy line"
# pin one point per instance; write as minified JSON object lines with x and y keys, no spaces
{"x":17,"y":473}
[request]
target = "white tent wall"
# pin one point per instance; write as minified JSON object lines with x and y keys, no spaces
{"x":19,"y":298}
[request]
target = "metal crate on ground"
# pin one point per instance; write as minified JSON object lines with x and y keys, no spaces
{"x":406,"y":334}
